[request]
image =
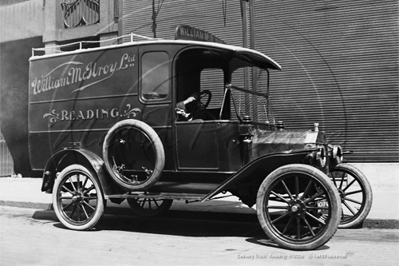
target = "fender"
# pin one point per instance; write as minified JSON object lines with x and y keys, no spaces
{"x":266,"y":164}
{"x":63,"y":158}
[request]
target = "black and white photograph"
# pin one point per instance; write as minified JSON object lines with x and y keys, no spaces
{"x":199,"y":132}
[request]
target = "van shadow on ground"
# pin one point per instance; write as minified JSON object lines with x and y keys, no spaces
{"x":174,"y":222}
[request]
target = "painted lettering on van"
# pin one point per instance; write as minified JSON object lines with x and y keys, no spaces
{"x":76,"y":72}
{"x":101,"y":113}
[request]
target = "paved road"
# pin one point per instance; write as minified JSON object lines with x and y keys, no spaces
{"x":35,"y":237}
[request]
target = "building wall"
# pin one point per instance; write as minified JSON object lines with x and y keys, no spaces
{"x":21,"y":20}
{"x":21,"y":28}
{"x":14,"y":79}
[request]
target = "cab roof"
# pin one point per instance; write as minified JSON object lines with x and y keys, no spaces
{"x":250,"y":56}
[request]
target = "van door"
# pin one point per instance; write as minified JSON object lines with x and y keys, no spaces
{"x":196,"y":144}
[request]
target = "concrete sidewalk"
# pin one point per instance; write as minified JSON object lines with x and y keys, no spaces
{"x":25,"y":192}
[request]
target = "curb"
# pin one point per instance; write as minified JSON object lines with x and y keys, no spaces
{"x":27,"y":205}
{"x":368,"y":223}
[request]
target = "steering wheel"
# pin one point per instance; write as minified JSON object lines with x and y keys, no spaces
{"x":202,"y":95}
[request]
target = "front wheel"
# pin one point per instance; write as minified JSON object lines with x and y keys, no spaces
{"x":77,"y":198}
{"x":355,"y":192}
{"x":298,"y":207}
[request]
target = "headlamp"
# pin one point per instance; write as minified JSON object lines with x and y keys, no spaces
{"x":337,"y":154}
{"x":321,"y":156}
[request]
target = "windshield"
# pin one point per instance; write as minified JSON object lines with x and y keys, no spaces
{"x":249,"y":89}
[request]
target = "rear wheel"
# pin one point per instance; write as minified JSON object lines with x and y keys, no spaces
{"x":133,"y":154}
{"x":298,"y":207}
{"x":355,"y":192}
{"x":149,"y":207}
{"x":77,"y":198}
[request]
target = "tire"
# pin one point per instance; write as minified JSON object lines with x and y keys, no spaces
{"x":133,"y":155}
{"x":355,"y":192}
{"x":298,"y":207}
{"x":149,"y":207}
{"x":78,"y":200}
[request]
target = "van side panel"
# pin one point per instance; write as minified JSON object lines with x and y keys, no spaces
{"x":75,"y":98}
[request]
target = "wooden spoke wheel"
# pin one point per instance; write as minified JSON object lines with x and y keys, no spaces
{"x":77,"y":198}
{"x":298,"y":207}
{"x":355,"y":193}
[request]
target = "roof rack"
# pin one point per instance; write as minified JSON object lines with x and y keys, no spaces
{"x":56,"y":48}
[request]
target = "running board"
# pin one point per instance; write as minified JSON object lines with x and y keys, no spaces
{"x":160,"y":195}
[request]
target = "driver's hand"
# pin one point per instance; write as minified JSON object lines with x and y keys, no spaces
{"x":182,"y":112}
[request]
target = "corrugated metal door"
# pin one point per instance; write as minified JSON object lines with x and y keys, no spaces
{"x":340,"y":69}
{"x":222,"y":18}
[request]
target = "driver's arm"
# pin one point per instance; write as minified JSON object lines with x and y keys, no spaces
{"x":182,"y":104}
{"x":181,"y":108}
{"x":189,"y":100}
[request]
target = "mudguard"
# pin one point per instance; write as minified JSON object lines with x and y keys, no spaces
{"x":266,"y":164}
{"x":66,"y":157}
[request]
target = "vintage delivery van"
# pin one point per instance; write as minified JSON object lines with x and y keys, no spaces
{"x":153,"y":121}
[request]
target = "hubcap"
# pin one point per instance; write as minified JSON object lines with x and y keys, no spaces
{"x":77,"y":197}
{"x":296,"y":207}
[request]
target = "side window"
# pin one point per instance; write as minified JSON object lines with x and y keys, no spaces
{"x":155,"y":82}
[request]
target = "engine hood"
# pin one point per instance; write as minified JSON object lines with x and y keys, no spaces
{"x":266,"y":142}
